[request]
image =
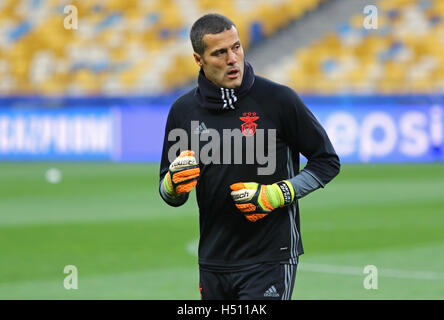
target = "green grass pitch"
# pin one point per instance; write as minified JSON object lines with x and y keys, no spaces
{"x":126,"y":243}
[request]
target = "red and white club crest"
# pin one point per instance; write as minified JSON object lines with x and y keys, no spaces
{"x":249,"y":127}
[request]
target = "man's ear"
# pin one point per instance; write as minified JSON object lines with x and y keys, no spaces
{"x":198,"y":59}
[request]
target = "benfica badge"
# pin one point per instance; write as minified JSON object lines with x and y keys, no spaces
{"x":249,"y":127}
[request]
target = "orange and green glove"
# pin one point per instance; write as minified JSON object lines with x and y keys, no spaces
{"x":256,"y":200}
{"x":182,"y":175}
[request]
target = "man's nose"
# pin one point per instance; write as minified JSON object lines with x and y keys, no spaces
{"x":232,"y":59}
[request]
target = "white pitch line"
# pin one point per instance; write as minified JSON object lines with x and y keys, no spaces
{"x":192,"y":248}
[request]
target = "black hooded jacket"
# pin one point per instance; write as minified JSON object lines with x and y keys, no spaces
{"x":227,"y":238}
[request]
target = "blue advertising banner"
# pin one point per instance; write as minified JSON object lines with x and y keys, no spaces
{"x":142,"y":130}
{"x":66,"y":134}
{"x":362,"y":129}
{"x":384,"y":132}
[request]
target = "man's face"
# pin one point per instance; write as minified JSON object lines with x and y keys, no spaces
{"x":223,"y":59}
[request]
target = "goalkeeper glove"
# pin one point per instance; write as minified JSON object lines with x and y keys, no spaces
{"x":182,"y":174}
{"x":258,"y":200}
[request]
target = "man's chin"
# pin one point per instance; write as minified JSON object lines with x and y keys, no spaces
{"x":233,"y":84}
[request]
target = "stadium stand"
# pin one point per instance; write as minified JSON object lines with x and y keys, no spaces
{"x":405,"y":54}
{"x":131,"y":47}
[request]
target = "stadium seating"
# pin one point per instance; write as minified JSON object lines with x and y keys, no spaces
{"x":131,"y":47}
{"x":405,"y":54}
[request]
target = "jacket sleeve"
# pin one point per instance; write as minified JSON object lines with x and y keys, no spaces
{"x":306,"y":135}
{"x":165,"y":163}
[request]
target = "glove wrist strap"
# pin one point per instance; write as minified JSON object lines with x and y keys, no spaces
{"x":287,"y":192}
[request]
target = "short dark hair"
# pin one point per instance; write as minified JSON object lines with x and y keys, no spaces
{"x":211,"y":23}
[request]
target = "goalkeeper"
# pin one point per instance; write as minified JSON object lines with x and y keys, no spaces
{"x":250,"y":239}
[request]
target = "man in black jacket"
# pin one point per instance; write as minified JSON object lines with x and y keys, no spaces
{"x":237,"y":137}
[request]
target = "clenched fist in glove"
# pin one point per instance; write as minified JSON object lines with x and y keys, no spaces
{"x":256,"y":200}
{"x":182,"y":174}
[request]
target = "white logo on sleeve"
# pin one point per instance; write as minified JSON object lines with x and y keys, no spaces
{"x":202,"y":128}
